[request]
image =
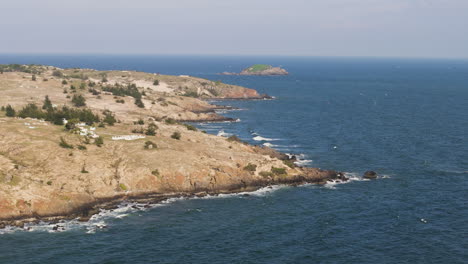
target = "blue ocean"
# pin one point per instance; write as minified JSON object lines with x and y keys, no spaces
{"x":406,"y":119}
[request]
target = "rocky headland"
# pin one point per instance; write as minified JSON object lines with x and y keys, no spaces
{"x":76,"y":140}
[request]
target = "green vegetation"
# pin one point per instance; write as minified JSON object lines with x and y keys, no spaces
{"x":123,"y":187}
{"x":151,"y":130}
{"x":266,"y":174}
{"x":78,"y":100}
{"x":109,"y":118}
{"x":156,"y":82}
{"x":150,"y":145}
{"x":190,"y":127}
{"x":58,"y":74}
{"x":258,"y":67}
{"x":55,"y":115}
{"x":176,"y":135}
{"x":155,"y":172}
{"x":279,"y":171}
{"x":81,"y":147}
{"x":99,"y":141}
{"x":10,"y":112}
{"x":289,"y":163}
{"x":31,"y":68}
{"x":139,"y":122}
{"x":170,"y":121}
{"x":139,"y":103}
{"x":250,"y":167}
{"x":64,"y":144}
{"x":47,"y":103}
{"x":49,"y":182}
{"x":234,"y":138}
{"x":190,"y":94}
{"x":33,"y":78}
{"x":83,"y":169}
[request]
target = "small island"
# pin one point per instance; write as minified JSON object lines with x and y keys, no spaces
{"x":260,"y":69}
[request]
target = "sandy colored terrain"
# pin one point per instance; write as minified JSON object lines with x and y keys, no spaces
{"x":39,"y":178}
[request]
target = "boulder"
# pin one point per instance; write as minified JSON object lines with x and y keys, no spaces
{"x":370,"y":175}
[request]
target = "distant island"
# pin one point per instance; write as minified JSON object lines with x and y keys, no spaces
{"x":259,"y":69}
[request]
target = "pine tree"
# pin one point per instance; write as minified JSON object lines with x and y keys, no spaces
{"x":10,"y":111}
{"x":47,"y":103}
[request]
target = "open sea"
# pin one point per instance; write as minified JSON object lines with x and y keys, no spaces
{"x":406,"y":119}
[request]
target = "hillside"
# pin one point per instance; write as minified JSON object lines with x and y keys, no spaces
{"x":124,"y":139}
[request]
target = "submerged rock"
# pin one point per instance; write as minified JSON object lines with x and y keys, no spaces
{"x":370,"y":175}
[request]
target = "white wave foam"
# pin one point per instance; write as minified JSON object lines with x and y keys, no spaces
{"x":351,"y":177}
{"x":100,"y":221}
{"x":304,"y":162}
{"x":270,"y":145}
{"x":221,"y":133}
{"x":260,"y":138}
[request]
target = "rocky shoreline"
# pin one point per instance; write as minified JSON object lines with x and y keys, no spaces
{"x":86,"y":211}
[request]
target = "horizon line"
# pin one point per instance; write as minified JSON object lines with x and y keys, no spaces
{"x":229,"y":55}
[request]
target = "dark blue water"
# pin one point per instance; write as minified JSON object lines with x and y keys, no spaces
{"x":405,"y":119}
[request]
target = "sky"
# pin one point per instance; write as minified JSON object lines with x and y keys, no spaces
{"x":364,"y":28}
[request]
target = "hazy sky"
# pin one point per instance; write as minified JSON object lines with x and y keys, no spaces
{"x":402,"y":28}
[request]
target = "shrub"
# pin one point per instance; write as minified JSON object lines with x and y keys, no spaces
{"x":31,"y":110}
{"x":123,"y":187}
{"x":278,"y":171}
{"x":150,"y":145}
{"x":64,"y":82}
{"x":121,"y":101}
{"x":155,"y":172}
{"x":47,"y":103}
{"x":65,"y":91}
{"x":156,"y":82}
{"x":99,"y":141}
{"x":81,"y":147}
{"x":138,"y":130}
{"x":250,"y":167}
{"x":45,"y":80}
{"x":139,"y":122}
{"x":139,"y":103}
{"x":266,"y":174}
{"x":234,"y":138}
{"x":109,"y":118}
{"x":78,"y":100}
{"x":176,"y":135}
{"x":151,"y":130}
{"x":49,"y":182}
{"x":10,"y":112}
{"x":71,"y":124}
{"x":33,"y":78}
{"x":289,"y":163}
{"x":190,"y":94}
{"x":190,"y":127}
{"x":82,"y":86}
{"x":170,"y":121}
{"x":83,"y":169}
{"x":57,"y":73}
{"x":64,"y":144}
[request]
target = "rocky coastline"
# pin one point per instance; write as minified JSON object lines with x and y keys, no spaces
{"x":85,"y":211}
{"x":125,"y":140}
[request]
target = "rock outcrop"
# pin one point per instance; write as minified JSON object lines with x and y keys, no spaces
{"x":261,"y":70}
{"x":370,"y":175}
